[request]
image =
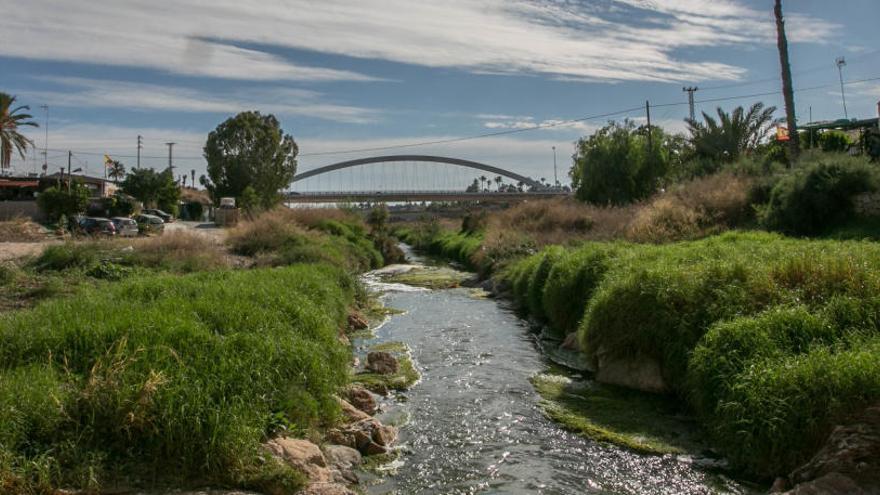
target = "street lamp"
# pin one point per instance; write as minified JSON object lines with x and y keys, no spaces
{"x":841,"y":63}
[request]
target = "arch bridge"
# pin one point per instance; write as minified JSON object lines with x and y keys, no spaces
{"x":415,"y":173}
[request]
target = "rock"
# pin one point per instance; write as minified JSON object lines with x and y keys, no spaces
{"x":384,"y":435}
{"x":638,"y":372}
{"x":571,"y":342}
{"x":351,"y":413}
{"x":368,"y":436}
{"x":829,"y":484}
{"x":342,"y":457}
{"x":779,"y":485}
{"x":362,"y":399}
{"x":357,"y":321}
{"x":303,"y":455}
{"x":327,"y":489}
{"x":382,"y":362}
{"x":851,"y":452}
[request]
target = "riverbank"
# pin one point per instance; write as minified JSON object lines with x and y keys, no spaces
{"x":173,"y":363}
{"x":771,"y":342}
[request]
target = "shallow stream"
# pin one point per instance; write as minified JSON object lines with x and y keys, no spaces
{"x":473,"y":423}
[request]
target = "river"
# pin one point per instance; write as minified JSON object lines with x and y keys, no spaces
{"x":474,"y":422}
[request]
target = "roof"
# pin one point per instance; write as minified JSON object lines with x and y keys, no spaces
{"x":13,"y":184}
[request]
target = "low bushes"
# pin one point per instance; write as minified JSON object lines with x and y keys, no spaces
{"x":745,"y":327}
{"x":818,"y":196}
{"x":170,"y":376}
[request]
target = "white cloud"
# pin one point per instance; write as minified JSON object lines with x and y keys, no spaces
{"x":81,"y":92}
{"x":562,"y":39}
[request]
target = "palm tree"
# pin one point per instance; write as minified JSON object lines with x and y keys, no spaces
{"x":733,"y":134}
{"x":498,"y":181}
{"x":10,"y":120}
{"x":482,"y":182}
{"x":116,"y":171}
{"x":192,"y":174}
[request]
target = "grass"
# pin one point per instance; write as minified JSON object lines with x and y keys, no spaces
{"x":277,"y":238}
{"x":21,"y":230}
{"x":641,"y":422}
{"x":169,"y":377}
{"x":715,"y":312}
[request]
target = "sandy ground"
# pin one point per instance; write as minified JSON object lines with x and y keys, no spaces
{"x":14,"y":250}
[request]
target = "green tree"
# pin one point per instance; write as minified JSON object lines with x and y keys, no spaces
{"x":615,"y":165}
{"x":55,"y":202}
{"x":10,"y":120}
{"x":834,"y":142}
{"x":250,"y":149}
{"x":116,"y":171}
{"x":153,"y":188}
{"x":730,"y":136}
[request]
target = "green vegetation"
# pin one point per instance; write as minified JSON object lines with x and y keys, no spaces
{"x":818,"y":196}
{"x":456,"y":246}
{"x":57,"y":203}
{"x":170,"y":377}
{"x":250,"y":152}
{"x":153,"y":188}
{"x":620,"y":164}
{"x":642,"y":422}
{"x":430,"y":277}
{"x":769,"y":340}
{"x":278,"y":238}
{"x":12,"y":117}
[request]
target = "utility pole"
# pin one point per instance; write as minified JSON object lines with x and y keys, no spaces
{"x":69,"y":156}
{"x":46,"y":143}
{"x":170,"y":147}
{"x":841,"y":63}
{"x":555,"y":178}
{"x":690,"y":90}
{"x":140,"y":147}
{"x":648,"y":114}
{"x":794,"y":145}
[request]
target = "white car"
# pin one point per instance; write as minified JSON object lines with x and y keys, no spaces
{"x":125,"y":227}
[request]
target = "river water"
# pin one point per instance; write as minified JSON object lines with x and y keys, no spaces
{"x":473,"y":421}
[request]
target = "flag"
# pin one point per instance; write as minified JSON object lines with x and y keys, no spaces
{"x":108,"y":162}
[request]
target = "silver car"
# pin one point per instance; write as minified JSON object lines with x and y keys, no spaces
{"x":125,"y":227}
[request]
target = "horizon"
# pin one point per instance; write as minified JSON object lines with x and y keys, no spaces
{"x":384,"y":74}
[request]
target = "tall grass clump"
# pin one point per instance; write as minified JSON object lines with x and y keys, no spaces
{"x":710,"y":313}
{"x":169,"y":377}
{"x":572,"y":282}
{"x":276,"y":238}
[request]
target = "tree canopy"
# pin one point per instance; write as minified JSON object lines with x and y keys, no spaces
{"x":618,"y":164}
{"x":153,"y":188}
{"x":731,"y":135}
{"x":250,"y":150}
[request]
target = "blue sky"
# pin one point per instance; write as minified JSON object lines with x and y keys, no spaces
{"x":362,"y":74}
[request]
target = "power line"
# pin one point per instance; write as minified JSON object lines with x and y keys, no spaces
{"x":548,"y":125}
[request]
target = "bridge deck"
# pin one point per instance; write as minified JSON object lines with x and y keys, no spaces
{"x":404,"y":196}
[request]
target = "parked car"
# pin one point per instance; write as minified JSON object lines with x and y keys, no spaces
{"x":166,"y":217}
{"x":97,"y":226}
{"x":125,"y":226}
{"x":149,"y":224}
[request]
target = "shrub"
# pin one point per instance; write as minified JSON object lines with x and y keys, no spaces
{"x":56,"y":203}
{"x":180,"y":375}
{"x":21,"y":229}
{"x":178,"y":251}
{"x":818,"y":196}
{"x":538,"y":278}
{"x":59,"y":257}
{"x":834,"y":142}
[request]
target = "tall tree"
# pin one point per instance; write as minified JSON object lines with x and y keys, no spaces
{"x":250,"y":149}
{"x":153,"y":188}
{"x":11,"y":118}
{"x":794,"y":145}
{"x":116,"y":171}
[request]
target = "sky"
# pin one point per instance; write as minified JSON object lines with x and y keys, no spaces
{"x":347,"y":77}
